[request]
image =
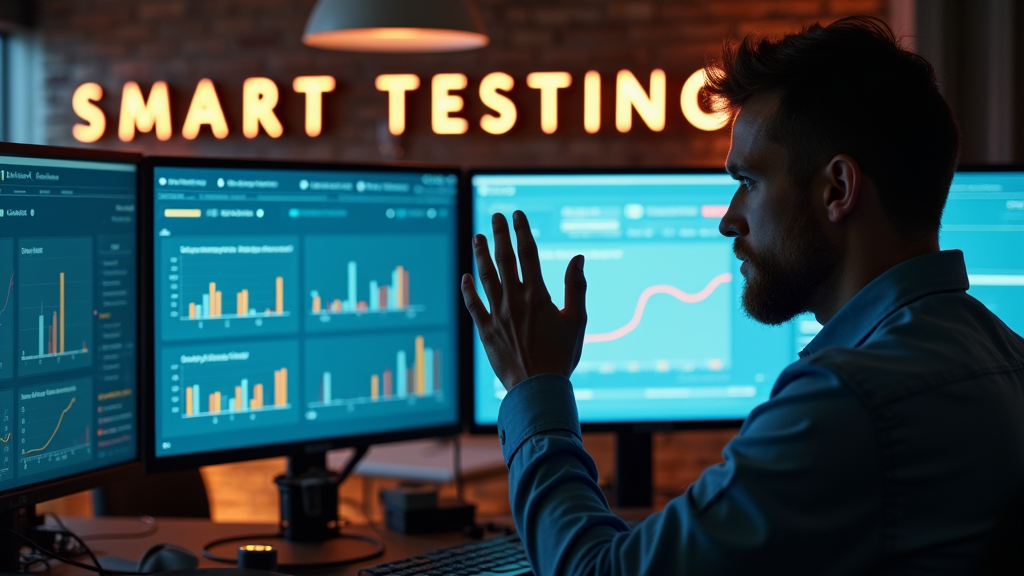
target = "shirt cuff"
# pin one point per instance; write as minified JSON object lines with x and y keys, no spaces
{"x":536,"y":405}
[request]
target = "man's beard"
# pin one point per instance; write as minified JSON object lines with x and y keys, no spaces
{"x":788,"y":273}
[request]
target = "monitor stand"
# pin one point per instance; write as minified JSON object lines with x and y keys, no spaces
{"x":633,"y":470}
{"x":19,"y":520}
{"x":309,"y":531}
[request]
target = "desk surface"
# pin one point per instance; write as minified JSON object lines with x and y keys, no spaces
{"x":193,"y":534}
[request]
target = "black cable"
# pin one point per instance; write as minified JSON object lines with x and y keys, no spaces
{"x":301,"y":565}
{"x":96,"y":567}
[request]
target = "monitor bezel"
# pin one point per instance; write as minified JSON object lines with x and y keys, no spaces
{"x":298,"y":448}
{"x":469,"y":401}
{"x":24,"y":496}
{"x":469,"y":350}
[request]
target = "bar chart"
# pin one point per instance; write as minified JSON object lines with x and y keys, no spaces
{"x":56,"y":425}
{"x":210,"y":289}
{"x":227,"y":387}
{"x":371,"y":282}
{"x":55,"y":304}
{"x":6,"y":435}
{"x":344,"y":375}
{"x":6,"y":308}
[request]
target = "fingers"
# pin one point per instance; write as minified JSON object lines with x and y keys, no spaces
{"x":576,"y":293}
{"x":473,"y":302}
{"x":504,"y":256}
{"x":485,"y":267}
{"x":529,"y":259}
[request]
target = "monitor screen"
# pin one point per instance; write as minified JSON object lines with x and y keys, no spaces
{"x":984,"y":217}
{"x":68,"y":316}
{"x":667,"y":339}
{"x":301,"y":303}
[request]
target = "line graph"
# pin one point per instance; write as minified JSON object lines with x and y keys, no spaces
{"x":6,"y":434}
{"x":54,"y":421}
{"x":55,"y":430}
{"x":650,"y":292}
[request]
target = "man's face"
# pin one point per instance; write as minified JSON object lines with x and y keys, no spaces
{"x":778,"y":225}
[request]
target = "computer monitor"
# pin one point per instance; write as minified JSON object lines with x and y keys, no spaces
{"x":68,"y":322}
{"x":984,"y":217}
{"x":300,"y":307}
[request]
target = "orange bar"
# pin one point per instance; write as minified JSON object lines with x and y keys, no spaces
{"x":387,"y":383}
{"x":238,"y":304}
{"x":421,"y":365}
{"x":374,"y":386}
{"x":336,"y":306}
{"x":257,"y":397}
{"x":62,"y":312}
{"x":220,"y":303}
{"x":316,"y":305}
{"x":212,"y":312}
{"x":238,"y":398}
{"x":362,"y":306}
{"x":280,"y":295}
{"x":400,"y":289}
{"x":192,"y":310}
{"x":281,"y":387}
{"x":188,"y":400}
{"x":245,"y":302}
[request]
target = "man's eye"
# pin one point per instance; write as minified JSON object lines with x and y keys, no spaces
{"x":744,"y":181}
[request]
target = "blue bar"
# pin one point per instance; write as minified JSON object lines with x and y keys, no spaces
{"x":428,"y":367}
{"x":402,"y":373}
{"x":374,"y":296}
{"x":352,"y":300}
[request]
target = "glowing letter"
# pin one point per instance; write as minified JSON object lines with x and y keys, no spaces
{"x":690,"y":102}
{"x":314,"y":88}
{"x":136,"y":112}
{"x":548,"y":83}
{"x":205,"y":109}
{"x":396,"y":85}
{"x":592,"y":102}
{"x":498,"y":102}
{"x":83,"y":103}
{"x":629,"y":94}
{"x":259,"y":97}
{"x":443,"y":104}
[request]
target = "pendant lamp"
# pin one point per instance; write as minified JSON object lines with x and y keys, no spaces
{"x":395,"y":26}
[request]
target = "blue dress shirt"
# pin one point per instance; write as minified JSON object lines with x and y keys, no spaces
{"x":891,"y":447}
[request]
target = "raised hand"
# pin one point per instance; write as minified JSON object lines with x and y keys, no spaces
{"x":524,"y":333}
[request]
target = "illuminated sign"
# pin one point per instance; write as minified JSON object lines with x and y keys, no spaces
{"x":141,"y":113}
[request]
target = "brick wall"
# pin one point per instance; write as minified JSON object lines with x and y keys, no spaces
{"x":182,"y":41}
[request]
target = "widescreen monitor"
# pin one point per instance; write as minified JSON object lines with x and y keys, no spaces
{"x":68,"y":320}
{"x":667,"y":340}
{"x":300,"y":307}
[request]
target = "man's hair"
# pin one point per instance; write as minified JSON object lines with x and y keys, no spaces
{"x":850,"y":88}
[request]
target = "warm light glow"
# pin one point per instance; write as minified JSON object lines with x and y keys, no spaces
{"x":689,"y":99}
{"x":498,"y":102}
{"x":396,"y":85}
{"x":205,"y":109}
{"x":137,"y":112}
{"x":548,"y":83}
{"x":396,"y":40}
{"x":259,"y":98}
{"x":443,"y":104}
{"x":629,"y":95}
{"x":592,"y":102}
{"x":314,"y":88}
{"x":83,"y":103}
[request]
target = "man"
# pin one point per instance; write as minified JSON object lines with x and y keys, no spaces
{"x":895,"y":441}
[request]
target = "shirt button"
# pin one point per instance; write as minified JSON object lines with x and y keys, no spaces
{"x":501,"y":436}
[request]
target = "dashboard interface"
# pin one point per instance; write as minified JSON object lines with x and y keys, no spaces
{"x":68,"y":309}
{"x":302,"y":304}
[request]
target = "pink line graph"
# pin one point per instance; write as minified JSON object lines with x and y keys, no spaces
{"x":646,"y":295}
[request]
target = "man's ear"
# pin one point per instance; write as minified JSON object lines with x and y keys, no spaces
{"x":844,"y":181}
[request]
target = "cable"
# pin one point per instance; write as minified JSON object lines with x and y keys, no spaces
{"x":301,"y":565}
{"x":96,"y":567}
{"x":457,"y":465}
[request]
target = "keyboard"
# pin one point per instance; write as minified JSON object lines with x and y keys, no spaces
{"x":503,"y":556}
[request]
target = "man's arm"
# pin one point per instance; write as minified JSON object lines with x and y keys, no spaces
{"x":800,"y":484}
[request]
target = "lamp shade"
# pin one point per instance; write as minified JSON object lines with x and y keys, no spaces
{"x":395,"y":26}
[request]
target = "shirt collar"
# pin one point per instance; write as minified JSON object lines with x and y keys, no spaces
{"x":898,"y":286}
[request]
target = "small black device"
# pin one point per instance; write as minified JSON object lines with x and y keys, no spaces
{"x":504,"y":556}
{"x":257,"y":557}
